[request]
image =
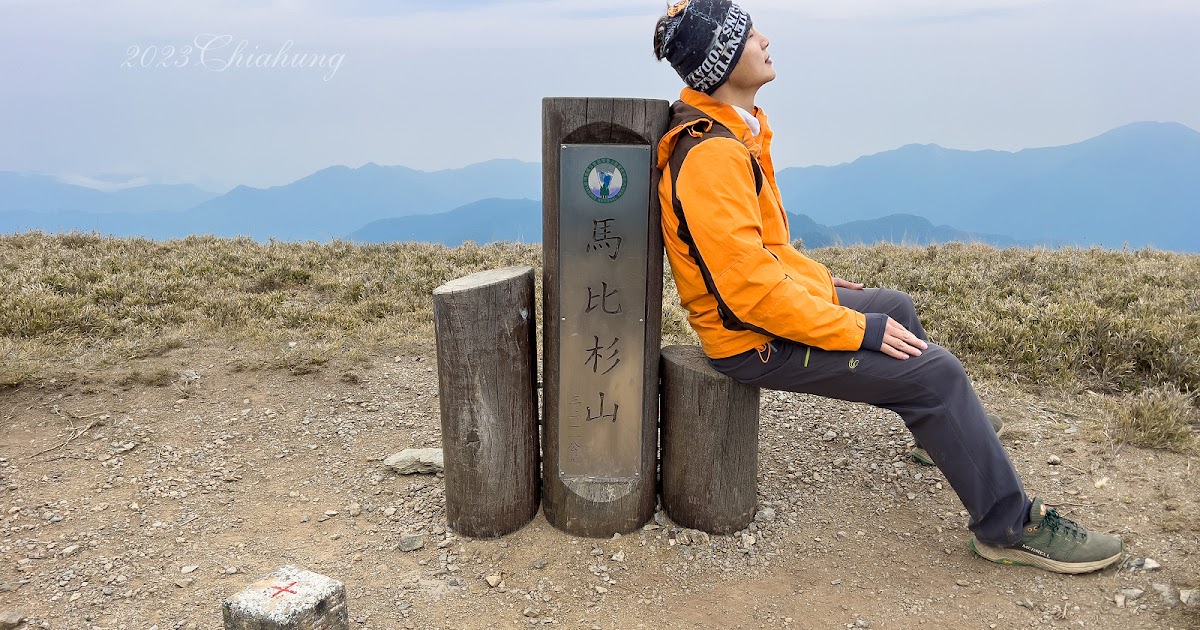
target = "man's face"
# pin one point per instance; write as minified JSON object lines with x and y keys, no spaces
{"x":754,"y":68}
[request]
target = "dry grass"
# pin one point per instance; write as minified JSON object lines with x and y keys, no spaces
{"x":1116,"y":322}
{"x":1105,"y":320}
{"x":1159,"y":417}
{"x":71,"y":302}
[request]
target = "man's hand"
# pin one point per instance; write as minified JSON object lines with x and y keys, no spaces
{"x":845,"y":284}
{"x":899,"y":343}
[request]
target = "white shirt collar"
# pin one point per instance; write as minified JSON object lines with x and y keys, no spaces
{"x":751,"y":121}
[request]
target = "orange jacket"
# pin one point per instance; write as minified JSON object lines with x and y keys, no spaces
{"x":738,"y":275}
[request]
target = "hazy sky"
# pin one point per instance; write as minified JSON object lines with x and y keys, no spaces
{"x":432,"y":85}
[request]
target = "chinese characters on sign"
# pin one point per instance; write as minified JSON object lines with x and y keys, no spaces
{"x":607,"y":302}
{"x":600,"y":298}
{"x":596,"y":353}
{"x":602,"y":265}
{"x":603,"y":239}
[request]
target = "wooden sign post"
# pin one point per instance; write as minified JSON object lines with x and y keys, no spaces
{"x":602,"y":312}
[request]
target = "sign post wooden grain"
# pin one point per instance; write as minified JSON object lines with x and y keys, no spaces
{"x":599,"y":452}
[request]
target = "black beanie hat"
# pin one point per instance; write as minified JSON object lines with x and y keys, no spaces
{"x":703,"y":40}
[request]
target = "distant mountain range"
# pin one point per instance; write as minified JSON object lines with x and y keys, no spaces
{"x":520,"y":220}
{"x":21,"y":192}
{"x":1137,"y":185}
{"x":483,"y":221}
{"x":330,"y":203}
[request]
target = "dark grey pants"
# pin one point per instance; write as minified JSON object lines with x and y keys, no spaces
{"x":931,"y":393}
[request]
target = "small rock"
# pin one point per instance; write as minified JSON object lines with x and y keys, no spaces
{"x":1167,"y":593}
{"x":391,"y":511}
{"x":619,"y":556}
{"x":230,"y":570}
{"x":11,"y":619}
{"x":9,"y":587}
{"x":354,"y":509}
{"x":416,"y":460}
{"x":693,"y":537}
{"x":411,"y":542}
{"x":1120,"y":600}
{"x":862,"y":623}
{"x":331,"y":512}
{"x":531,"y":612}
{"x":601,"y":590}
{"x":1151,"y":565}
{"x":539,"y":564}
{"x":188,"y":569}
{"x":1101,"y":482}
{"x":1190,"y":597}
{"x":183,"y":582}
{"x":1054,"y":460}
{"x":70,"y":551}
{"x":493,"y":580}
{"x":963,"y":583}
{"x":1132,"y":594}
{"x":766,"y":514}
{"x":829,"y":436}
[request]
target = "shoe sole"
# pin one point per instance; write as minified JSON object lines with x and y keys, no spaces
{"x":922,"y":455}
{"x":1008,"y":555}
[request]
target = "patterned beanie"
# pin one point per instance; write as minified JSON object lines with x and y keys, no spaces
{"x":702,"y":40}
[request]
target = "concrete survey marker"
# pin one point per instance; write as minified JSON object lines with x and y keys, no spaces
{"x":289,"y":599}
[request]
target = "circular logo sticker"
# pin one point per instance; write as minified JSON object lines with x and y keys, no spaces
{"x":604,"y":180}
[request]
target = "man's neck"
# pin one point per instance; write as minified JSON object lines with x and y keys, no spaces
{"x":742,"y":98}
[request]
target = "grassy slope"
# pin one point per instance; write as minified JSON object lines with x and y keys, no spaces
{"x":1122,"y":323}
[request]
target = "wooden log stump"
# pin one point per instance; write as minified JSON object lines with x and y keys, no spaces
{"x":709,"y":444}
{"x":288,"y":598}
{"x":487,"y":386}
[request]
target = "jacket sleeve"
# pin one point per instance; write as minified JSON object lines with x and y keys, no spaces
{"x":716,"y":191}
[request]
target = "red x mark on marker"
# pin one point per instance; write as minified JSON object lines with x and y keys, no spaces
{"x":279,"y":590}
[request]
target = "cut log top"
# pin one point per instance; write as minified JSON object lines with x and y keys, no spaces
{"x":482,"y":279}
{"x":690,"y":358}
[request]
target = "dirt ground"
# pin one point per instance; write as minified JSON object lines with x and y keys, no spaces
{"x":143,"y":505}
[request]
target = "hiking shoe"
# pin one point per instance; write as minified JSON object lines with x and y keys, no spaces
{"x":922,"y":455}
{"x":1055,"y":543}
